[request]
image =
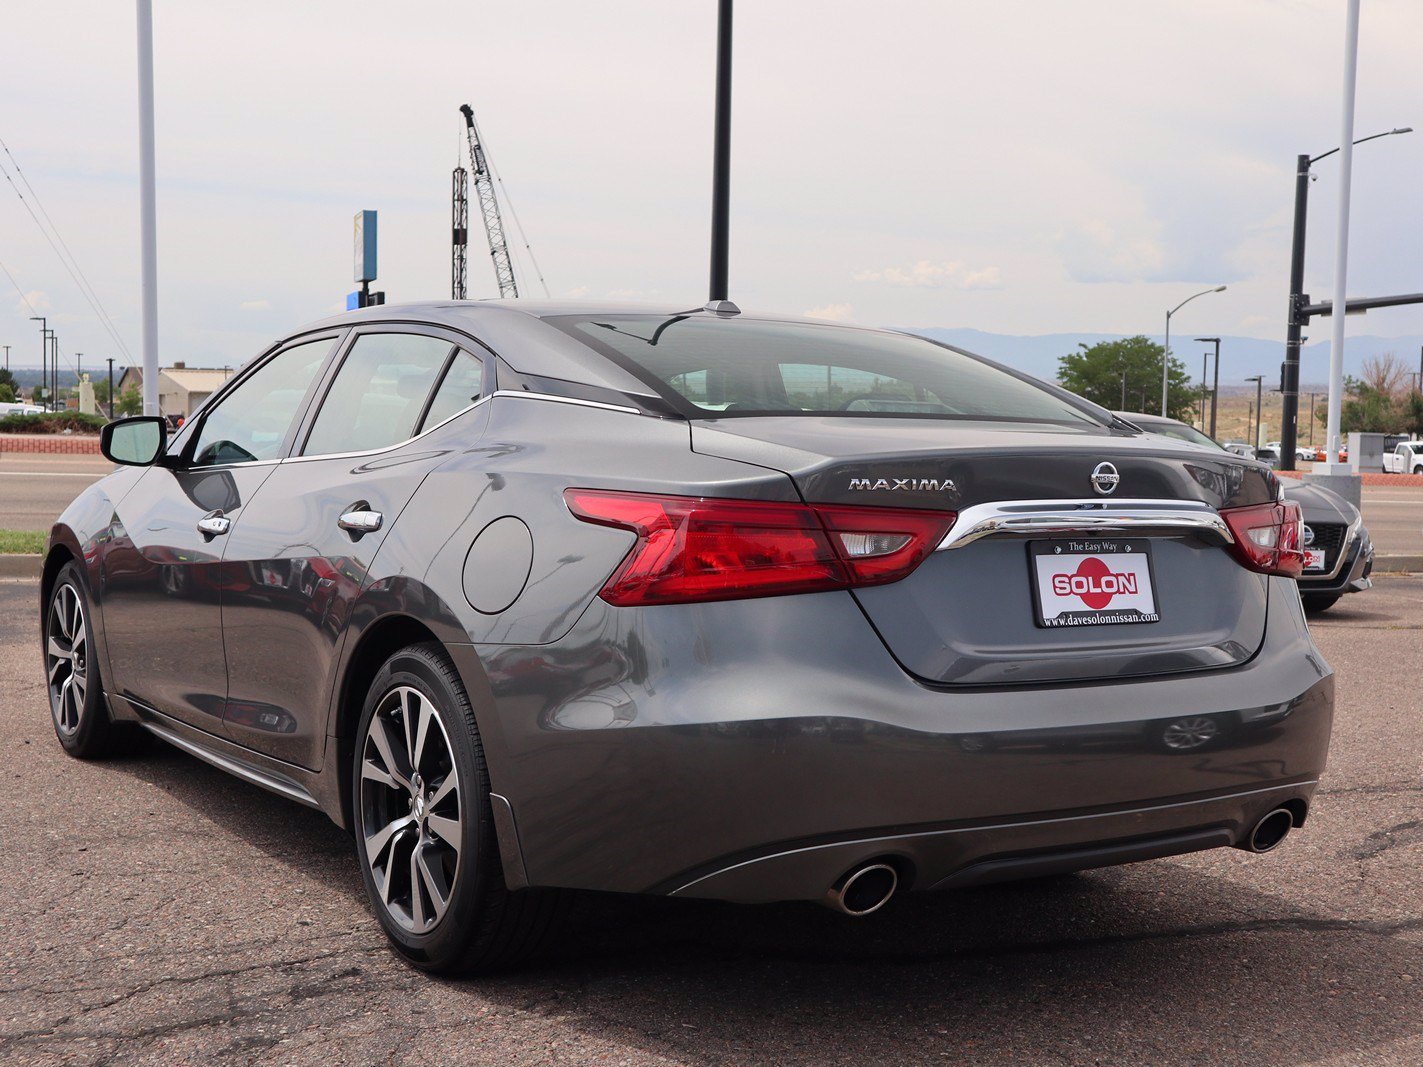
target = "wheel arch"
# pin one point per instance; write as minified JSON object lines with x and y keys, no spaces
{"x":384,"y":621}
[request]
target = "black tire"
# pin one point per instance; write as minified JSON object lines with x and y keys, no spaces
{"x":1319,"y":601}
{"x":77,"y":708}
{"x":482,"y":926}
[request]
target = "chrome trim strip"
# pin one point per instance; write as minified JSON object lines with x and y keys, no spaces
{"x":270,"y":782}
{"x":566,"y":400}
{"x":389,"y":448}
{"x":1035,"y":518}
{"x":890,"y":838}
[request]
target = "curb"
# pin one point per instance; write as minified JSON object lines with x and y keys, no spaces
{"x":1384,"y":564}
{"x":18,"y":566}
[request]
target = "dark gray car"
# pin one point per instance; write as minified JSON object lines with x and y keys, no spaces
{"x":1338,"y":552}
{"x":700,"y":604}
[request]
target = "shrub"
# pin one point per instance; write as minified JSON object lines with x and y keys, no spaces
{"x":52,"y":422}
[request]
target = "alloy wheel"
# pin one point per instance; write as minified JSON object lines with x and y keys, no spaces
{"x":1192,"y":732}
{"x":67,"y":659}
{"x":412,"y":812}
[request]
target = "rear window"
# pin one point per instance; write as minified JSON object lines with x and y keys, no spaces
{"x":710,"y":367}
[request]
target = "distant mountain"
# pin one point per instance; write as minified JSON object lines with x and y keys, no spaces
{"x":1240,"y":357}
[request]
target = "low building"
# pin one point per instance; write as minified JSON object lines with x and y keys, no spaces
{"x":181,"y":389}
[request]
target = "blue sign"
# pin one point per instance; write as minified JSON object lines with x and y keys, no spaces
{"x":365,"y":246}
{"x":353,"y":300}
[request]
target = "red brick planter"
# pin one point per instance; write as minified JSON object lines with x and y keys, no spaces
{"x":1404,"y":481}
{"x":52,"y":443}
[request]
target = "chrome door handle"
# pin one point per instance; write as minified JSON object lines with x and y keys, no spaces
{"x":214,"y":524}
{"x":361,"y":521}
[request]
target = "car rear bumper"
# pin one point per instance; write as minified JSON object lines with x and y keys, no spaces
{"x":756,"y":750}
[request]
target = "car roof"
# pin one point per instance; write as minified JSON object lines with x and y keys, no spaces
{"x":517,"y":332}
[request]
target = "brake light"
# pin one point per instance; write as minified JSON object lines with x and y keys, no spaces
{"x":1267,"y":537}
{"x":706,"y":548}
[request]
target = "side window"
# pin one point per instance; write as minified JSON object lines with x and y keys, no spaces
{"x":378,"y":393}
{"x":251,"y":422}
{"x":461,"y":386}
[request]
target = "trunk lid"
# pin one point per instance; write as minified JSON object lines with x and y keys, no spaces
{"x":974,"y":614}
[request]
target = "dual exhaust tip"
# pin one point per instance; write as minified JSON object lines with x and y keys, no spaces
{"x":863,"y":890}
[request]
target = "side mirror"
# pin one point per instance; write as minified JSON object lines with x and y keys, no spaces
{"x":135,"y":442}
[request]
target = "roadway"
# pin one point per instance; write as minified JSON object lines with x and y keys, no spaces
{"x":159,"y":912}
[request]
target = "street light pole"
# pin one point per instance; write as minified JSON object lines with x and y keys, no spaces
{"x":111,"y":388}
{"x":1215,"y":380}
{"x":1341,"y":249}
{"x":1166,"y":355}
{"x":147,"y":210}
{"x":1289,"y":377}
{"x":1205,"y":358}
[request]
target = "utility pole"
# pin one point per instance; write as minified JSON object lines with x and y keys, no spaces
{"x":1259,"y":386}
{"x":1312,"y":417}
{"x":7,"y":356}
{"x":44,"y":348}
{"x":721,"y":164}
{"x":111,"y":388}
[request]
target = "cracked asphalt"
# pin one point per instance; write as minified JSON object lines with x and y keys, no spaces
{"x":159,"y":912}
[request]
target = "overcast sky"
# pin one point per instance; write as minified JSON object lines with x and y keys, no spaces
{"x":1021,"y":166}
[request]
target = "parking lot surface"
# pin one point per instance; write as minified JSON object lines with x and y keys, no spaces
{"x":158,"y":912}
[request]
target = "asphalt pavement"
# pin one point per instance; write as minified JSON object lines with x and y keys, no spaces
{"x":160,"y":912}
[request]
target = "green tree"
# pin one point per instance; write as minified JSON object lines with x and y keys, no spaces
{"x":7,"y":394}
{"x":130,"y":402}
{"x":1102,"y":372}
{"x":1369,"y":409}
{"x":6,"y":378}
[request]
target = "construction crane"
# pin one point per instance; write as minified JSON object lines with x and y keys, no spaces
{"x":489,"y":209}
{"x":459,"y":230}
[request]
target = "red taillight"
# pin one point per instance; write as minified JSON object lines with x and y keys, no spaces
{"x":705,"y":548}
{"x":1267,"y":537}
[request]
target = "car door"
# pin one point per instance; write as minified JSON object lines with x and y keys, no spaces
{"x":309,"y":537}
{"x":162,"y":578}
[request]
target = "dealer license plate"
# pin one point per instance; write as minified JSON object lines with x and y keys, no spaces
{"x":1092,"y":582}
{"x":1314,"y":559}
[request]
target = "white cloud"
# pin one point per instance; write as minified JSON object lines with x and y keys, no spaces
{"x":833,"y":312}
{"x":926,"y":274}
{"x":36,"y":299}
{"x":255,"y":305}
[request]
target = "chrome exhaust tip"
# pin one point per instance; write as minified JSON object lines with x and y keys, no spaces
{"x":1269,"y":832}
{"x":863,"y":890}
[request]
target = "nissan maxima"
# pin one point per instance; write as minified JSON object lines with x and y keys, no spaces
{"x":694,"y":603}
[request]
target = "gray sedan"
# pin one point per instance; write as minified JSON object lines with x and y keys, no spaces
{"x":535,"y":598}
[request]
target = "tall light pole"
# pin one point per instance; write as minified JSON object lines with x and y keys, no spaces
{"x":7,"y":357}
{"x":147,"y":209}
{"x":1289,"y":377}
{"x":1215,"y":380}
{"x":721,"y":158}
{"x":1341,"y":250}
{"x":1166,"y":356}
{"x":111,"y":388}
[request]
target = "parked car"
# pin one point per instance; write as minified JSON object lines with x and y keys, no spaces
{"x":1338,"y":552}
{"x":1406,"y":458}
{"x":647,"y":601}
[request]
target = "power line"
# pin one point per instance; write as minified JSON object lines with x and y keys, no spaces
{"x":75,"y":271}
